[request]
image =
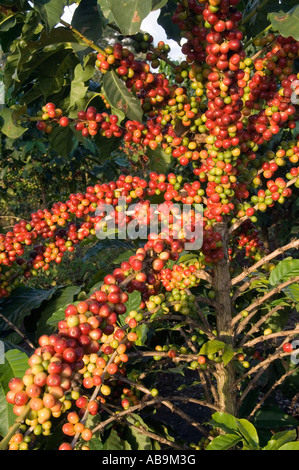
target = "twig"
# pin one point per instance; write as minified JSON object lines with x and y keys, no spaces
{"x":16,"y":329}
{"x":188,"y":341}
{"x":82,"y":37}
{"x":263,"y":366}
{"x":140,"y":429}
{"x":201,"y":274}
{"x":242,"y":289}
{"x":259,"y":301}
{"x":275,"y":385}
{"x":264,"y":338}
{"x":207,"y":327}
{"x":205,"y":300}
{"x":189,"y":420}
{"x":162,"y":56}
{"x":257,"y":325}
{"x":265,"y":259}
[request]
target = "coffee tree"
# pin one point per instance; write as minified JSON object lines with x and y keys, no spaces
{"x":205,"y":292}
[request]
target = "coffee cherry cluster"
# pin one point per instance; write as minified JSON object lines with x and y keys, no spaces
{"x":247,"y":239}
{"x":88,"y":122}
{"x":72,"y":371}
{"x":85,"y":354}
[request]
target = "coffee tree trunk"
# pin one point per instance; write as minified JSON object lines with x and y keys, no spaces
{"x":223,"y":309}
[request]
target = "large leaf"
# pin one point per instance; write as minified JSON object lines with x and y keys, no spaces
{"x":160,"y":161}
{"x":290,"y":446}
{"x":79,"y":86}
{"x":249,"y":433}
{"x":134,"y":301}
{"x":284,"y":271}
{"x":280,"y":439}
{"x":15,"y":365}
{"x":27,"y":66}
{"x":256,"y":15}
{"x":142,"y":331}
{"x":88,"y":20}
{"x":172,"y":31}
{"x":53,"y":310}
{"x":271,"y":418}
{"x":9,"y":124}
{"x":62,"y":140}
{"x":211,"y":347}
{"x":53,"y":76}
{"x":227,"y":355}
{"x":224,"y":442}
{"x":225,"y":421}
{"x":21,"y":303}
{"x":50,"y":11}
{"x":114,"y":443}
{"x":127,"y":14}
{"x":286,"y":23}
{"x":120,"y":98}
{"x":136,"y":439}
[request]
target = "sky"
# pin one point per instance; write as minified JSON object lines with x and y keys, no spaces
{"x":149,"y":25}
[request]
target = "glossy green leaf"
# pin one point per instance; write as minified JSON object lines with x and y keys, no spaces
{"x":227,"y":355}
{"x":134,"y":301}
{"x":159,"y":160}
{"x":62,"y":139}
{"x":280,"y":439}
{"x":87,"y":20}
{"x":21,"y":303}
{"x":271,"y":418}
{"x":127,"y":14}
{"x":283,"y":271}
{"x":15,"y":365}
{"x":50,"y":11}
{"x":256,"y":15}
{"x":292,"y":292}
{"x":224,"y":442}
{"x":142,"y":331}
{"x":114,"y":443}
{"x":9,"y":124}
{"x":249,"y":433}
{"x":225,"y":421}
{"x":120,"y":98}
{"x":290,"y":446}
{"x":286,"y":23}
{"x":136,"y":439}
{"x":211,"y":347}
{"x":80,"y":83}
{"x":172,"y":31}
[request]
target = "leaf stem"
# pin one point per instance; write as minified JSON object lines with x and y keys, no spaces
{"x":87,"y":41}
